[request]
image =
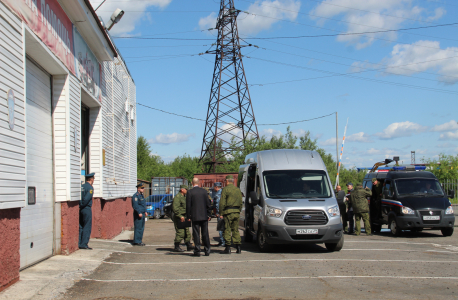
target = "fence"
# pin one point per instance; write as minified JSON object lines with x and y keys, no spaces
{"x":451,"y":184}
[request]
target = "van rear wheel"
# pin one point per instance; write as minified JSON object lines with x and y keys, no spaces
{"x":263,"y":245}
{"x":335,"y":246}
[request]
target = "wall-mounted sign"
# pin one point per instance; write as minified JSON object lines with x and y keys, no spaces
{"x":88,"y":70}
{"x":50,"y":23}
{"x":11,"y":102}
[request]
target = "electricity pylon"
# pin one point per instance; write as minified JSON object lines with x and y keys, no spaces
{"x":230,"y":117}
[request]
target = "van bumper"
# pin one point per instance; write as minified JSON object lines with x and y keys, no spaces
{"x":287,"y":234}
{"x":412,"y":222}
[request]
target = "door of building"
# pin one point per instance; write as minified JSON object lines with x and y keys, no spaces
{"x":37,"y":219}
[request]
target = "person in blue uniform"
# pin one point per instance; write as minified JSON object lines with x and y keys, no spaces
{"x":139,"y":206}
{"x":87,"y":192}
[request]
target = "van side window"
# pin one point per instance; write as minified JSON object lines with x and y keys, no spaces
{"x":388,"y":188}
{"x":369,"y":184}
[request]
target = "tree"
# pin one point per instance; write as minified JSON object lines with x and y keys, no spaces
{"x":444,"y":168}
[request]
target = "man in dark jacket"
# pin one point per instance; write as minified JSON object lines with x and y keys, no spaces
{"x":350,"y":214}
{"x":198,"y":210}
{"x":358,"y":198}
{"x":87,"y":192}
{"x":376,"y":200}
{"x":139,"y":206}
{"x":340,"y":196}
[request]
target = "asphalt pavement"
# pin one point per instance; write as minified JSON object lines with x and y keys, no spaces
{"x":421,"y":266}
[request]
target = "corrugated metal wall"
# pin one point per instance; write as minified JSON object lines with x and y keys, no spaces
{"x":12,"y":142}
{"x":119,"y":131}
{"x":74,"y":119}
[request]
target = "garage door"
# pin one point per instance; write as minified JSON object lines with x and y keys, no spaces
{"x":37,"y":219}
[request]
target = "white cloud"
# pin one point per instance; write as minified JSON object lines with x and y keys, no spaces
{"x":449,"y":136}
{"x":370,"y":15}
{"x":269,"y":11}
{"x":208,"y":21}
{"x":170,"y":138}
{"x":411,"y":59}
{"x":445,"y":145}
{"x":130,"y":19}
{"x":401,"y":129}
{"x":438,"y":13}
{"x":452,"y":125}
{"x":269,"y":133}
{"x":329,"y":142}
{"x":359,"y":137}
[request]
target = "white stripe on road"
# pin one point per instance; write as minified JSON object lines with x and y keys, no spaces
{"x":266,"y":278}
{"x":283,"y":260}
{"x":189,"y":252}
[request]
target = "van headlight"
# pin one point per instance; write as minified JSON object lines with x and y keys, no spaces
{"x":334,"y":211}
{"x":407,"y":210}
{"x":273,"y":211}
{"x":449,"y":210}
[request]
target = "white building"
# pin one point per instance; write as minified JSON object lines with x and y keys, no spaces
{"x":67,"y":108}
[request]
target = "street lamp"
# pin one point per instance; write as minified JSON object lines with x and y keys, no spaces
{"x":115,"y":18}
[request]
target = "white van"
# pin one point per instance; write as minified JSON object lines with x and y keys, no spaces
{"x":288,"y":199}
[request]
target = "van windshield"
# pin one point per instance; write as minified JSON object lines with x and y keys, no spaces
{"x":296,"y":184}
{"x":419,"y":187}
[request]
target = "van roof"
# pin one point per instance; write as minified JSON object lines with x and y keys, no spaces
{"x":400,"y":174}
{"x":290,"y":159}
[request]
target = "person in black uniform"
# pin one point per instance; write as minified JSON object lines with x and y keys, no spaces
{"x":139,"y":206}
{"x":87,"y":192}
{"x":198,"y":210}
{"x":340,"y":196}
{"x":350,"y":213}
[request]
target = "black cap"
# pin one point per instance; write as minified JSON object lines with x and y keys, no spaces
{"x":139,"y":185}
{"x":90,"y":175}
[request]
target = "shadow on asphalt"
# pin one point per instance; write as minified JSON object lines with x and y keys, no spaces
{"x":411,"y":234}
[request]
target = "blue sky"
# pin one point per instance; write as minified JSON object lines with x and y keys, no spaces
{"x":402,"y":95}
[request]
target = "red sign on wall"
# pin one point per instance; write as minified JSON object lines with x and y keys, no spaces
{"x":48,"y":21}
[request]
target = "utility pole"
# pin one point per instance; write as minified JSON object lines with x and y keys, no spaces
{"x":337,"y":140}
{"x":412,"y":157}
{"x":230,"y":117}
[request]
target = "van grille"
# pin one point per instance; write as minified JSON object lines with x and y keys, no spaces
{"x":317,"y":217}
{"x":427,"y":213}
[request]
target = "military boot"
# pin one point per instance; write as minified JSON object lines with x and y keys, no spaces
{"x":178,"y":248}
{"x":239,"y":249}
{"x":227,"y":250}
{"x":189,"y":246}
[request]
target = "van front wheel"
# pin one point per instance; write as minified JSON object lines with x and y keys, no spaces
{"x":335,"y":246}
{"x":263,"y":245}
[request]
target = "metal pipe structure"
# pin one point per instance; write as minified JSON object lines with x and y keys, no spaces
{"x":230,"y":116}
{"x":340,"y":159}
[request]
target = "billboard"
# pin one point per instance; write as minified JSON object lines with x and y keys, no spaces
{"x":48,"y":21}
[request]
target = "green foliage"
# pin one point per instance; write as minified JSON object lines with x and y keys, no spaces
{"x":186,"y":166}
{"x":444,"y":168}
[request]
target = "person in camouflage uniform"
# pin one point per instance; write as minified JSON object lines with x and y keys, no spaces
{"x":179,"y":212}
{"x":230,"y":207}
{"x":358,"y":200}
{"x":376,"y":199}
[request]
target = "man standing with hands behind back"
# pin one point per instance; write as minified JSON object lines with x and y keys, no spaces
{"x":87,"y":192}
{"x":199,"y":210}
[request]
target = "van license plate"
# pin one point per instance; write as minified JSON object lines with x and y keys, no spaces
{"x":306,"y":231}
{"x":430,"y":218}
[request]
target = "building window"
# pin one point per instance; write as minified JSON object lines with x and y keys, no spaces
{"x":84,"y":139}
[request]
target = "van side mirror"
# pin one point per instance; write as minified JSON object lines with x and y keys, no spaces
{"x":254,"y":198}
{"x":452,"y":194}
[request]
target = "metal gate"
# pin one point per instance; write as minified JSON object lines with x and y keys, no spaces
{"x":37,"y":219}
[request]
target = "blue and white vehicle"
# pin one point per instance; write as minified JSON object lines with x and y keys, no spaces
{"x":288,"y":199}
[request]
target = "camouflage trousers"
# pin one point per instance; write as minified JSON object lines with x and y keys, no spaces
{"x":367,"y":224}
{"x":231,"y":230}
{"x":181,"y":234}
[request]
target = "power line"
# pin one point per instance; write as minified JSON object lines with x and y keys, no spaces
{"x":352,"y":33}
{"x":356,"y":77}
{"x":188,"y":117}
